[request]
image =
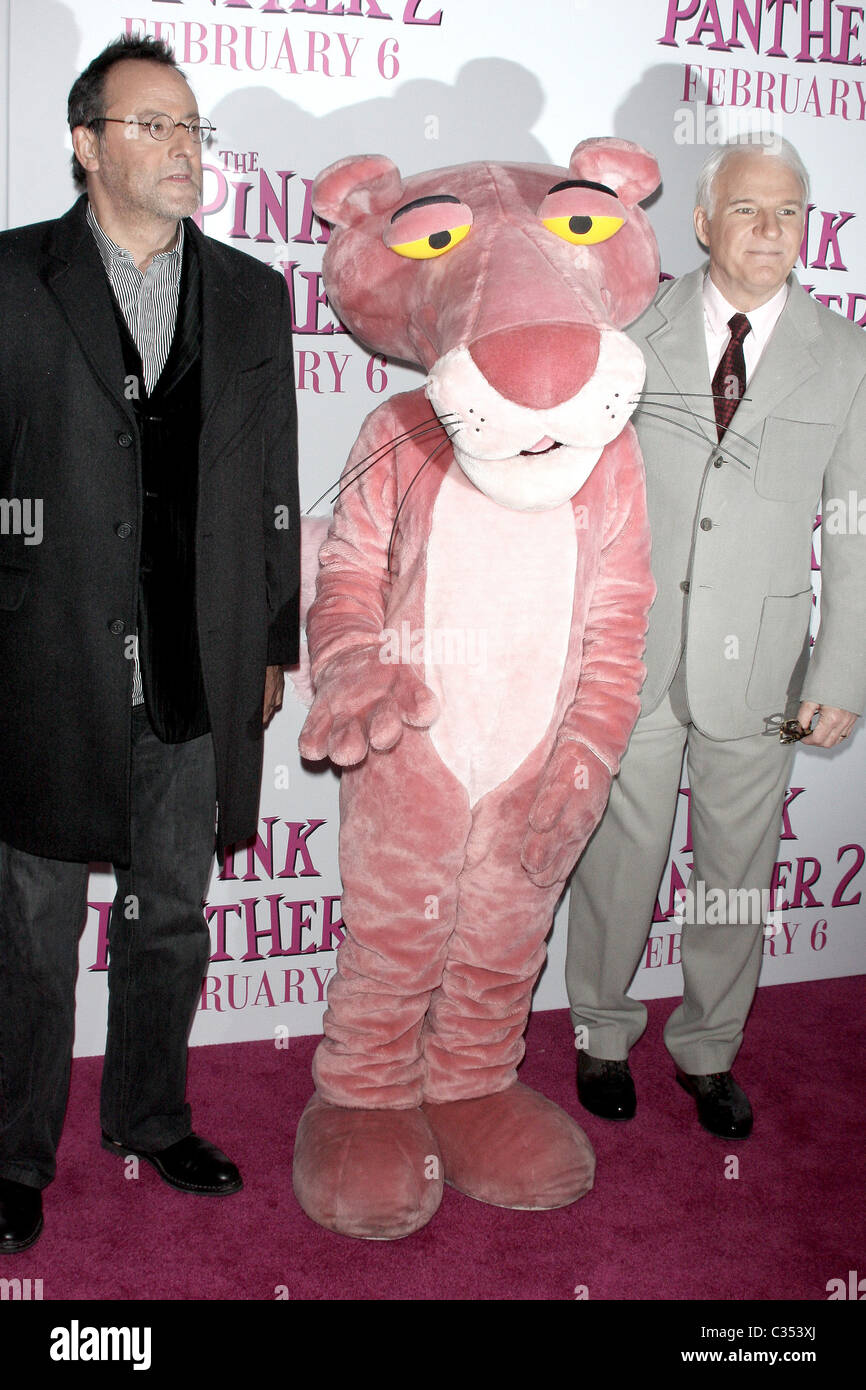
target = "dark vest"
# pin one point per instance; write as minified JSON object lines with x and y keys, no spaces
{"x":169,"y":424}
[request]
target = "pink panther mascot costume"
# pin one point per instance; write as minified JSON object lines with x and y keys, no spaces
{"x":476,"y":647}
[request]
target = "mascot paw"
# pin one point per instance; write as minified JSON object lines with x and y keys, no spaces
{"x":570,"y":802}
{"x":374,"y":1174}
{"x":513,"y":1149}
{"x":363,"y":702}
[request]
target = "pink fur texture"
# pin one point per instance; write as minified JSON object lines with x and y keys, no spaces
{"x":476,"y":647}
{"x":313,"y":532}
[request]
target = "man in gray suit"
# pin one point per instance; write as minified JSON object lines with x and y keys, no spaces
{"x":732,"y":502}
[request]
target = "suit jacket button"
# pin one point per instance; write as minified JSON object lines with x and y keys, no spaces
{"x":706,"y":524}
{"x":717,"y":462}
{"x":116,"y":626}
{"x":123,"y":529}
{"x":124,"y":440}
{"x":685,"y":586}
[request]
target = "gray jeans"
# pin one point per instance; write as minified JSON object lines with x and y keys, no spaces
{"x":158,"y":952}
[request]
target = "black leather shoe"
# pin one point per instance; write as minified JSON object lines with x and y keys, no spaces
{"x":605,"y":1087}
{"x":20,"y":1216}
{"x":191,"y":1165}
{"x":723,"y":1107}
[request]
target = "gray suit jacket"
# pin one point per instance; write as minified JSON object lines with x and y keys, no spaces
{"x":732,"y":523}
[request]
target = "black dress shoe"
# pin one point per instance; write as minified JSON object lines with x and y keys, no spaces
{"x":605,"y":1087}
{"x":723,"y":1107}
{"x":20,"y":1216}
{"x":191,"y":1165}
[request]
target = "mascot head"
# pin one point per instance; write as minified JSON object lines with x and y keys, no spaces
{"x":510,"y":284}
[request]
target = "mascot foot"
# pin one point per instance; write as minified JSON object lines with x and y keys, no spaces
{"x":513,"y":1149}
{"x":374,"y":1174}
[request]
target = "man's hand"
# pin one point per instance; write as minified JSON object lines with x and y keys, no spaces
{"x":832,"y":726}
{"x":274,"y":680}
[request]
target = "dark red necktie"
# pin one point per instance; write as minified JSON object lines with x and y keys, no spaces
{"x":729,"y":382}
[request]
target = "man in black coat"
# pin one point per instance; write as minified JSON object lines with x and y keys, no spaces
{"x":149,"y":558}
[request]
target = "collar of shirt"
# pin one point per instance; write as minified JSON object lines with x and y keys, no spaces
{"x":717,"y":312}
{"x":111,"y":252}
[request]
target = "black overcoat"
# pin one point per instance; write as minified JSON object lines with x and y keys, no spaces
{"x":68,"y":597}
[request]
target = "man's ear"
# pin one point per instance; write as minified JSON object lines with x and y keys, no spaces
{"x":702,"y":223}
{"x":86,"y":147}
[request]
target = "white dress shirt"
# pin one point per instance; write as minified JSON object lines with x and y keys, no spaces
{"x":717,"y":312}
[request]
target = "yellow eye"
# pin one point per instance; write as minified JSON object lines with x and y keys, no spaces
{"x":583,"y":230}
{"x":436,"y":244}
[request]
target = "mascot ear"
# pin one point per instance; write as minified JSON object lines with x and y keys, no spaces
{"x":630,"y":171}
{"x":355,"y":187}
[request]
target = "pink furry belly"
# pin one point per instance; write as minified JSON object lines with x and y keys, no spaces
{"x":497,"y":621}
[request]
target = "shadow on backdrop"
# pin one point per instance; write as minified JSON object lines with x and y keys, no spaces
{"x":45,"y":40}
{"x":426,"y":124}
{"x":653,"y":113}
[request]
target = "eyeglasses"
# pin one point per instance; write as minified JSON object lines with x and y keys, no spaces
{"x":162,"y":127}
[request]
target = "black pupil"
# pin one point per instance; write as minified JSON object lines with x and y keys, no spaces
{"x":579,"y":225}
{"x":439,"y":239}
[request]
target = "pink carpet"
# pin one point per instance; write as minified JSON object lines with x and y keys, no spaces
{"x":663,"y":1222}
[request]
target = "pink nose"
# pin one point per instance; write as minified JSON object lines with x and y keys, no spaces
{"x":539,"y":365}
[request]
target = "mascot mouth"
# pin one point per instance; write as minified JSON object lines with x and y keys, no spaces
{"x":545,"y":445}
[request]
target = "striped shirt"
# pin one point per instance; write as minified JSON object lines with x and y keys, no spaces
{"x":148,"y":303}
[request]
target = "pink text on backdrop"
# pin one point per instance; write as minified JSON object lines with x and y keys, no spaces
{"x":827,"y":32}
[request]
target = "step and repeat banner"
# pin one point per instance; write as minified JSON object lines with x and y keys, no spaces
{"x":291,"y":87}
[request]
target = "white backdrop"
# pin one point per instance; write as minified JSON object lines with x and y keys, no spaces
{"x":292,"y":86}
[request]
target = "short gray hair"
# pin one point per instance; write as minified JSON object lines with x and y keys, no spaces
{"x":761,"y":142}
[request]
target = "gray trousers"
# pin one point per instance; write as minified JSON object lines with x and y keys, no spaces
{"x":737,"y":792}
{"x":158,"y":951}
